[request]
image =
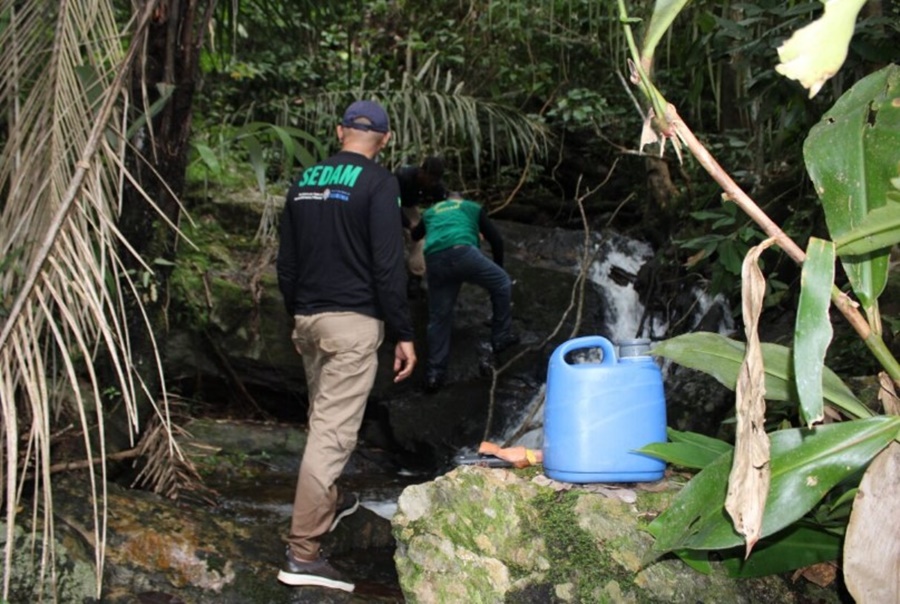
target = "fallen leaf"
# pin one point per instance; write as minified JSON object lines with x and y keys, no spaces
{"x":822,"y":574}
{"x":872,"y":542}
{"x":887,"y":394}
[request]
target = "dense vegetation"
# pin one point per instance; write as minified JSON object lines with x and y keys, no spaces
{"x":529,"y":103}
{"x":533,"y":104}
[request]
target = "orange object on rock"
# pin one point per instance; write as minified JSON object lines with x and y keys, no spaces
{"x":519,"y":457}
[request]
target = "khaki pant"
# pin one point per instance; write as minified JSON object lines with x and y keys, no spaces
{"x":339,"y":351}
{"x":415,"y":255}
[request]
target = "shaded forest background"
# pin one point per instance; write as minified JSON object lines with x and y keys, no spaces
{"x":527,"y":101}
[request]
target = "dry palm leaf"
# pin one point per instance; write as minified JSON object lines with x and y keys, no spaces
{"x":61,"y":170}
{"x":748,"y":483}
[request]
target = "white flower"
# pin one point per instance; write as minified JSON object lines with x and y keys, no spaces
{"x":815,"y":52}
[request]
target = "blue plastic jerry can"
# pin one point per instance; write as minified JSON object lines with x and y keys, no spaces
{"x":598,"y":414}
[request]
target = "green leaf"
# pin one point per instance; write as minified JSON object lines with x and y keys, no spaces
{"x":813,"y":331}
{"x":701,"y":440}
{"x":257,"y":161}
{"x":696,"y":559}
{"x":879,"y":230}
{"x":721,"y":358}
{"x":805,"y":465}
{"x":851,"y":157}
{"x":209,"y":157}
{"x":688,"y":449}
{"x":664,"y":13}
{"x":730,"y":257}
{"x":793,"y":548}
{"x":684,"y":455}
{"x":165,"y":93}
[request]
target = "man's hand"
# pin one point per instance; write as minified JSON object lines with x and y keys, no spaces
{"x":404,"y":360}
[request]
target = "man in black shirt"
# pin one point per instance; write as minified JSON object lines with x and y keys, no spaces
{"x":419,"y":186}
{"x":340,"y":271}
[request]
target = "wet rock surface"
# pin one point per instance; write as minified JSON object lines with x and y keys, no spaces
{"x":225,"y":545}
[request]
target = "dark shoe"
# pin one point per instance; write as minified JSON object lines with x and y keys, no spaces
{"x":347,"y":504}
{"x":433,"y":383}
{"x":505,"y":342}
{"x":319,"y":572}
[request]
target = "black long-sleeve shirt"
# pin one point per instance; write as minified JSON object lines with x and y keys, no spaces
{"x":341,"y":246}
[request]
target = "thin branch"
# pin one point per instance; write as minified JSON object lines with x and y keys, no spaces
{"x":576,"y":301}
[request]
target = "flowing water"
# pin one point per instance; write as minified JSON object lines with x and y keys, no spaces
{"x":620,"y":260}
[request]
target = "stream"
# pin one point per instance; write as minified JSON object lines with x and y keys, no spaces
{"x":258,"y":486}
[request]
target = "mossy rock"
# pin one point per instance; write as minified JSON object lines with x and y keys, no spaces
{"x":494,"y":535}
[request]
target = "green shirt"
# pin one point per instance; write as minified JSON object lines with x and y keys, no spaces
{"x":451,"y":222}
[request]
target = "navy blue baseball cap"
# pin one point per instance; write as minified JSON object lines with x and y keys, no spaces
{"x":366,"y":115}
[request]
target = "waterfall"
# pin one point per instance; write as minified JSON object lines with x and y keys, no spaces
{"x":618,"y":260}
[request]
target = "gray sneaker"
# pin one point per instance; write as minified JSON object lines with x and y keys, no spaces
{"x":346,"y":505}
{"x":320,"y":573}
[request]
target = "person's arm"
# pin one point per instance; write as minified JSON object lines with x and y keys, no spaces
{"x":418,"y":232}
{"x":286,"y":263}
{"x":492,"y":235}
{"x":388,"y":265}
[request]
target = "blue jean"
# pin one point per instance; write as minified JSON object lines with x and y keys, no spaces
{"x":446,"y":271}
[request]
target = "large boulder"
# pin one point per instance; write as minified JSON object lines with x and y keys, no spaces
{"x":494,"y":535}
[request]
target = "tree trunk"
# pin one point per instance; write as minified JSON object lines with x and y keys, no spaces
{"x":159,"y":162}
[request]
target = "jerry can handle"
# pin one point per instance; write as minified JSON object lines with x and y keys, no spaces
{"x":609,"y":351}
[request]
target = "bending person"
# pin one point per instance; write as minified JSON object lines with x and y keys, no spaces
{"x":453,"y":256}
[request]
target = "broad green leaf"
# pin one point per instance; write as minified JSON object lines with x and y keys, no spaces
{"x":664,"y":14}
{"x":879,"y":230}
{"x":209,"y":157}
{"x":696,"y":559}
{"x":813,"y":331}
{"x":289,"y":137}
{"x":686,"y":455}
{"x":709,"y":443}
{"x":721,"y":358}
{"x":806,"y":59}
{"x":851,"y":157}
{"x":787,"y":550}
{"x":806,"y":464}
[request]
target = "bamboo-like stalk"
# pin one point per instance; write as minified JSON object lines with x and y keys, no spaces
{"x":734,"y":193}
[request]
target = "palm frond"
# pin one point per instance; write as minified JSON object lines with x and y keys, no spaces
{"x":430,"y":113}
{"x":64,"y":295}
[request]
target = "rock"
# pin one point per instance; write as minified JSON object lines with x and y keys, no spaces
{"x":494,"y":535}
{"x":75,"y":571}
{"x":193,"y":551}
